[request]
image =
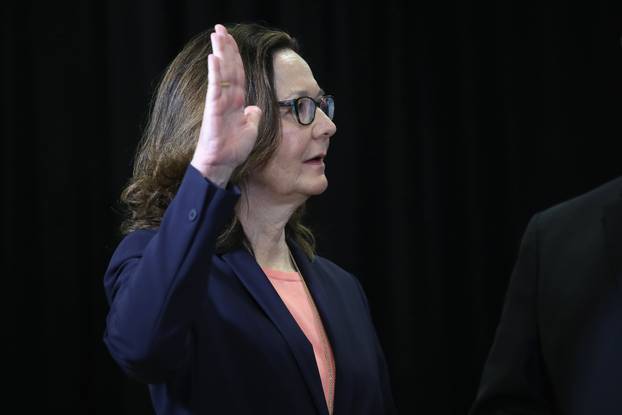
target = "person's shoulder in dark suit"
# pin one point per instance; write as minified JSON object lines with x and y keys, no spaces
{"x":583,"y":209}
{"x":557,"y":346}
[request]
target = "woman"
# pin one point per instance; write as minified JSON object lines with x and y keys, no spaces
{"x":217,"y":299}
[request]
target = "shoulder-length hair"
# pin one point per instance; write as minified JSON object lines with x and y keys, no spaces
{"x":172,"y":131}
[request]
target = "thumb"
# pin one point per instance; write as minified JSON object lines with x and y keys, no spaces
{"x":253,"y":116}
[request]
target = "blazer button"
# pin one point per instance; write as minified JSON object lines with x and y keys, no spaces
{"x":192,"y":215}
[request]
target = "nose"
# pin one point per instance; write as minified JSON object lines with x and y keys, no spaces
{"x":323,"y":127}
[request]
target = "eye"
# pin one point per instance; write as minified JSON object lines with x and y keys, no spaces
{"x":285,"y":109}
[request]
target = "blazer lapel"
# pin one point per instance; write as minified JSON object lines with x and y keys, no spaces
{"x":260,"y":288}
{"x":612,"y":220}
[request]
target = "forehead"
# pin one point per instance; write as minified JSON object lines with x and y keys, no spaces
{"x":292,"y":75}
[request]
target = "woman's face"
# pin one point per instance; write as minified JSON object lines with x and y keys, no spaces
{"x":296,"y":170}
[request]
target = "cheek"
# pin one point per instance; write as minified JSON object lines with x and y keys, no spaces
{"x":290,"y":153}
{"x":283,"y":169}
{"x":286,"y":169}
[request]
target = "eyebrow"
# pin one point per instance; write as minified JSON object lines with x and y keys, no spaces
{"x":305,"y":93}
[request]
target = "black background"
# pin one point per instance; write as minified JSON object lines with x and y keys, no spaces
{"x":457,"y":122}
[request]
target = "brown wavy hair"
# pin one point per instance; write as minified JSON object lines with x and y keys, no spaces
{"x":172,"y":131}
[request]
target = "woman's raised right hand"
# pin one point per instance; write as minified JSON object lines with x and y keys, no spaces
{"x":228,"y":130}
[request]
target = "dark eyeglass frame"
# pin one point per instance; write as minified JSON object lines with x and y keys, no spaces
{"x":321,"y":103}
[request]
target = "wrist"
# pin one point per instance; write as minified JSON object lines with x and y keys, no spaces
{"x":217,"y":174}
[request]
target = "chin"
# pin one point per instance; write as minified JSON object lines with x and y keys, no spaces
{"x":318,"y":186}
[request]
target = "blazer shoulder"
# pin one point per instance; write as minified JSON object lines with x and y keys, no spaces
{"x":133,"y":244}
{"x":130,"y":248}
{"x":333,"y":269}
{"x":339,"y":276}
{"x":583,"y":208}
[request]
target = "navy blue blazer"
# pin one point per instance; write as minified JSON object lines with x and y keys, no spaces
{"x":209,"y":333}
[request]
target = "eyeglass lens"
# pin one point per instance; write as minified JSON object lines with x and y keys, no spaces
{"x":307,"y":108}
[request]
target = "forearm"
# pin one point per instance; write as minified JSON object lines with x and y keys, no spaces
{"x":155,"y":294}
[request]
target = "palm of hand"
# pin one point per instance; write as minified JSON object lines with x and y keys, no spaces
{"x":228,"y":130}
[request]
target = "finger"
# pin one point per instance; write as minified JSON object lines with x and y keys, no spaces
{"x":220,"y":29}
{"x":235,"y":67}
{"x":214,"y":89}
{"x":232,"y":58}
{"x":232,"y":68}
{"x":223,"y":48}
{"x":230,"y":65}
{"x":226,"y":68}
{"x":219,"y":46}
{"x":239,"y":66}
{"x":217,"y":40}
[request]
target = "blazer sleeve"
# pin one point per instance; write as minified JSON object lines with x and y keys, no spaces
{"x":156,"y":280}
{"x":514,"y":380}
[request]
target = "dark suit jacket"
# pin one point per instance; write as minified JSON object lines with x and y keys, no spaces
{"x":558,"y":347}
{"x":210,"y":334}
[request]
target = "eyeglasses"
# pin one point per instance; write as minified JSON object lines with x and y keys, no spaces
{"x":305,"y":107}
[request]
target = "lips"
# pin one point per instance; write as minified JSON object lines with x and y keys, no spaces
{"x":317,"y":159}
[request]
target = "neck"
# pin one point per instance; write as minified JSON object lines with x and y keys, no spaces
{"x":264,"y":221}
